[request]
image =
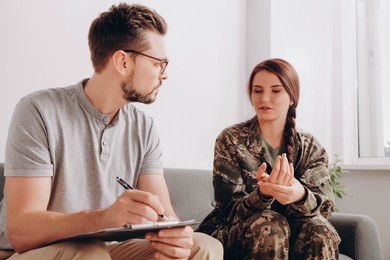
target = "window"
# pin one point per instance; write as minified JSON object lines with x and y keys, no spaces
{"x":373,"y":81}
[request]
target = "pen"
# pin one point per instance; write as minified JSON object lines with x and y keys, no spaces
{"x":129,"y":187}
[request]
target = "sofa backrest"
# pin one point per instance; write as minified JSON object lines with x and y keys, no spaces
{"x":191,"y":192}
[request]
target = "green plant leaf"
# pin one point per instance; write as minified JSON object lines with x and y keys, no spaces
{"x":336,"y":173}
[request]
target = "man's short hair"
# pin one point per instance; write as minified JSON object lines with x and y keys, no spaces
{"x":122,"y":27}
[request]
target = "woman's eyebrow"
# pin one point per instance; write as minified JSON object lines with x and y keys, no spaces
{"x":273,"y":86}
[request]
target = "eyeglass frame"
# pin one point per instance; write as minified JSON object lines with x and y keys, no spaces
{"x":163,"y":61}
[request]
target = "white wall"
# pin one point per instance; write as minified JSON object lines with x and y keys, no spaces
{"x":211,"y":50}
{"x":44,"y":45}
{"x":206,"y":46}
{"x":301,"y":32}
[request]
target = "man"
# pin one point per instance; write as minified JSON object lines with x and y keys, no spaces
{"x":67,"y":145}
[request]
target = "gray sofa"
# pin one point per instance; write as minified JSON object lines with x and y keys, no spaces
{"x":191,"y":194}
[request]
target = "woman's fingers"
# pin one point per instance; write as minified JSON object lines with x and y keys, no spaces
{"x":275,"y":171}
{"x":282,"y":172}
{"x":291,"y":180}
{"x":261,"y":172}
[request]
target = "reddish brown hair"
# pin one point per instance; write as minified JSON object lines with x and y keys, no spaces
{"x":290,"y":81}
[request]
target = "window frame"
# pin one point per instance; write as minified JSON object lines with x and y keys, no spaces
{"x":346,"y":137}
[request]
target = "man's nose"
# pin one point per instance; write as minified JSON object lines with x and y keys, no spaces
{"x":163,"y":76}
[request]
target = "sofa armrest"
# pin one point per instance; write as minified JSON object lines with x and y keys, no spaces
{"x":359,"y":236}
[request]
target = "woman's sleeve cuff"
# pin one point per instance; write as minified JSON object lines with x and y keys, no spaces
{"x":256,"y":200}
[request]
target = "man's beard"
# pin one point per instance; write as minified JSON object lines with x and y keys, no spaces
{"x":131,"y":95}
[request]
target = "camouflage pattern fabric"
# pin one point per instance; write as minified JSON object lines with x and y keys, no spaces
{"x":313,"y":238}
{"x":252,"y":227}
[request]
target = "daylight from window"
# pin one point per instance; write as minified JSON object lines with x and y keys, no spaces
{"x":373,"y":81}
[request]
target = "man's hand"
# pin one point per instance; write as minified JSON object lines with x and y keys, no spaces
{"x":133,"y":206}
{"x":172,"y":243}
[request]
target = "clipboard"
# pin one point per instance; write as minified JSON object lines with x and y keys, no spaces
{"x":129,"y":231}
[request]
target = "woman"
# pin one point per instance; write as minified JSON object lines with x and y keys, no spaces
{"x":271,"y":181}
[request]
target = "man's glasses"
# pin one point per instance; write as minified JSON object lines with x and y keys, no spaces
{"x":163,"y":62}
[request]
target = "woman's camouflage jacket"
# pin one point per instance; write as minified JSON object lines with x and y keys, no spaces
{"x":239,"y":152}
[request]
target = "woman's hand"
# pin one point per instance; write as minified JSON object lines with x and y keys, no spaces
{"x":281,"y":183}
{"x":261,"y":172}
{"x":263,"y":177}
{"x":282,"y":193}
{"x":283,"y":172}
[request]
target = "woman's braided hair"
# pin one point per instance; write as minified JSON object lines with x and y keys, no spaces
{"x":290,"y":81}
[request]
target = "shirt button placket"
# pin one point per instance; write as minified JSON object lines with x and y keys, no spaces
{"x":104,"y":143}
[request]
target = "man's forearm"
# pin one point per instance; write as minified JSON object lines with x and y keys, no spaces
{"x":34,"y":229}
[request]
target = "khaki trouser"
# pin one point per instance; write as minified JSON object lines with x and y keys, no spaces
{"x":205,"y":247}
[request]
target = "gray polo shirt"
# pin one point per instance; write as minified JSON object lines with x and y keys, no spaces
{"x":58,"y":133}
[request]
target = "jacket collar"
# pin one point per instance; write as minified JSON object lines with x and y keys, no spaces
{"x":257,"y":148}
{"x":253,"y":141}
